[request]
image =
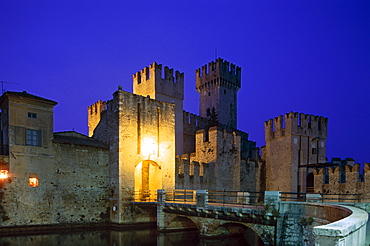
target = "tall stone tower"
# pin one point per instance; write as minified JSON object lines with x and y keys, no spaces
{"x":140,"y":133}
{"x":295,"y":144}
{"x":218,"y":84}
{"x":150,"y":83}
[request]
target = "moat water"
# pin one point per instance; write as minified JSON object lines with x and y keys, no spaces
{"x":128,"y":237}
{"x":146,"y":237}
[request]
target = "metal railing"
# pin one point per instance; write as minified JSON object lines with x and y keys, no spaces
{"x":145,"y":196}
{"x":322,"y":197}
{"x":341,"y":197}
{"x":181,"y":196}
{"x":293,"y":196}
{"x":239,"y":198}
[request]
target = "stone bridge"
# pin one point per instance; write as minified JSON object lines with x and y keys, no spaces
{"x":272,"y":221}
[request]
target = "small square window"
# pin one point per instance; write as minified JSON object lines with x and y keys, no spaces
{"x":32,"y":115}
{"x":33,"y":181}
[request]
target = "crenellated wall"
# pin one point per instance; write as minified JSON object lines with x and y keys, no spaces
{"x":344,"y":179}
{"x":293,"y":140}
{"x":151,"y":80}
{"x":93,"y":115}
{"x":294,"y":123}
{"x":217,"y":84}
{"x":216,"y":163}
{"x":228,"y":74}
{"x":163,"y":86}
{"x":192,"y":123}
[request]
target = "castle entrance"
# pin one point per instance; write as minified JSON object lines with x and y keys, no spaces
{"x":148,"y":179}
{"x":310,"y":183}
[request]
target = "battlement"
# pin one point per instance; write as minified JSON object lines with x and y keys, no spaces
{"x":217,"y":132}
{"x":220,"y":72}
{"x":153,"y":79}
{"x":346,"y":178}
{"x":97,"y":107}
{"x":294,"y":123}
{"x":193,"y":122}
{"x":94,"y":115}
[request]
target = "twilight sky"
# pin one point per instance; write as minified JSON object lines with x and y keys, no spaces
{"x":301,"y":55}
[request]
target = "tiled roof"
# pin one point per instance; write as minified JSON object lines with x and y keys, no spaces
{"x":25,"y":94}
{"x":80,"y":140}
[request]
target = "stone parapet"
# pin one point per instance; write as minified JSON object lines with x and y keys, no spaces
{"x":348,"y":231}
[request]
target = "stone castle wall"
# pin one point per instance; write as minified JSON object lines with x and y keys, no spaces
{"x":216,"y":164}
{"x":73,"y":187}
{"x":344,"y":179}
{"x":293,"y":140}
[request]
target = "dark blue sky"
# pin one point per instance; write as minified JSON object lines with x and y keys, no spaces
{"x":303,"y":56}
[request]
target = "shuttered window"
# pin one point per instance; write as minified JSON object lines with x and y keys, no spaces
{"x":33,"y":137}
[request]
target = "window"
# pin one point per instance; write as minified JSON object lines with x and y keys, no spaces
{"x":314,"y":151}
{"x":32,"y":115}
{"x":208,"y":112}
{"x":33,"y":181}
{"x":33,"y":137}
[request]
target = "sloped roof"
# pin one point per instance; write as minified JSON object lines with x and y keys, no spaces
{"x":72,"y":137}
{"x":27,"y":95}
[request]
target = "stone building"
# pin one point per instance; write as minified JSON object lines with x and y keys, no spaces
{"x":144,"y":141}
{"x":48,"y":178}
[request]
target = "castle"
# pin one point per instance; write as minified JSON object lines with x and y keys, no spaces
{"x":144,"y":141}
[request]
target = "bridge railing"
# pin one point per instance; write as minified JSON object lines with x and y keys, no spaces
{"x":181,"y":196}
{"x":319,"y":197}
{"x":341,"y":197}
{"x":239,"y":198}
{"x":292,"y":196}
{"x":145,"y":196}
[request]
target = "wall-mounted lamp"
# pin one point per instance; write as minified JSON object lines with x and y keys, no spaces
{"x":3,"y":174}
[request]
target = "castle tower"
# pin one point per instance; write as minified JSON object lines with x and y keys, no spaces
{"x":141,"y":134}
{"x":93,"y":115}
{"x":220,"y":151}
{"x":295,"y":144}
{"x":150,"y":82}
{"x":218,"y":84}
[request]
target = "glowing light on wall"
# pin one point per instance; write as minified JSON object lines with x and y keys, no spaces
{"x":148,"y":147}
{"x":33,"y":182}
{"x":3,"y":174}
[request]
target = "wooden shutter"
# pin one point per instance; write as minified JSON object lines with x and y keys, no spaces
{"x":39,"y":138}
{"x":20,"y":135}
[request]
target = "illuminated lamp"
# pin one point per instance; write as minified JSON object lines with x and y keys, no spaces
{"x":33,"y":181}
{"x":3,"y":174}
{"x":148,"y":147}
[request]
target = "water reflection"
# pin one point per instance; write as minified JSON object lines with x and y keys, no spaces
{"x":128,"y":237}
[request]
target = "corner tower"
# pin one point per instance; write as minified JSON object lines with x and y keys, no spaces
{"x":169,"y":88}
{"x":218,"y":84}
{"x":295,"y":144}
